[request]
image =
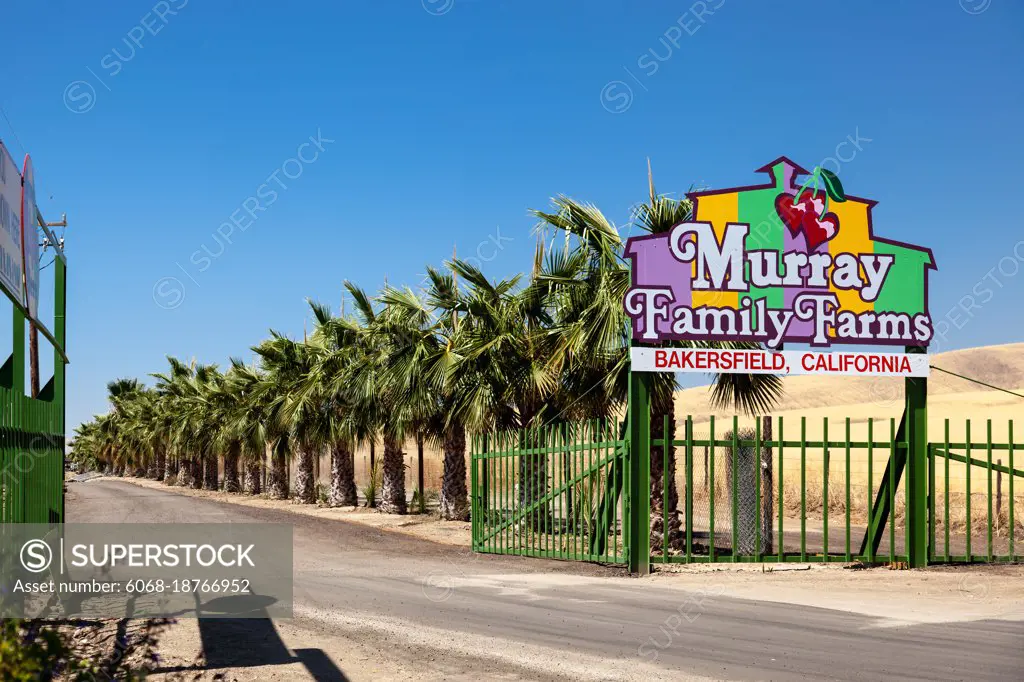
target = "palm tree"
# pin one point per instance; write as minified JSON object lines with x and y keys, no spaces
{"x":195,"y":434}
{"x":589,"y":278}
{"x":123,"y":394}
{"x":171,"y":389}
{"x":507,"y":379}
{"x":372,"y":399}
{"x":334,"y":344}
{"x":247,"y":422}
{"x":420,"y":363}
{"x":282,"y":361}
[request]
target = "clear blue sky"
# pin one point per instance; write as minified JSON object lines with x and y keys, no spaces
{"x":451,"y":118}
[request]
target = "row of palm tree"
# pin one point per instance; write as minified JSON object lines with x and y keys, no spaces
{"x":461,"y":354}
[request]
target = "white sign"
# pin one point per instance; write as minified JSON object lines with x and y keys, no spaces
{"x":786,"y":362}
{"x":11,"y":256}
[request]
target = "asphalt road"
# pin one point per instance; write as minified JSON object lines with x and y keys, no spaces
{"x":518,"y":618}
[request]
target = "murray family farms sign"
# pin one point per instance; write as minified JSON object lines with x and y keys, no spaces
{"x":784,"y":262}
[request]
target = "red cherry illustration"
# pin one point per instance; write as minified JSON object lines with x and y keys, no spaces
{"x":803,"y":217}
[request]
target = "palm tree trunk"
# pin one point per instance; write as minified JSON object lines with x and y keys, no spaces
{"x":279,"y":470}
{"x":170,"y":469}
{"x":305,"y":480}
{"x":184,"y":471}
{"x":231,"y":468}
{"x":393,"y":487}
{"x":664,"y":460}
{"x":196,"y":480}
{"x":343,"y":476}
{"x":454,"y":501}
{"x":252,"y":476}
{"x":161,"y":462}
{"x":211,"y":477}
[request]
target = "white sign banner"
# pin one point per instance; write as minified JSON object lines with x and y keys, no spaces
{"x":10,"y":227}
{"x":786,"y":362}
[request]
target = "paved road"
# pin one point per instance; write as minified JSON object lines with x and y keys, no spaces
{"x":516,"y":617}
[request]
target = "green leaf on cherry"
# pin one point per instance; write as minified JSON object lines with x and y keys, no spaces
{"x":833,"y":187}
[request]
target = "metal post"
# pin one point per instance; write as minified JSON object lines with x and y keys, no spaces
{"x":917,"y":468}
{"x":639,"y":412}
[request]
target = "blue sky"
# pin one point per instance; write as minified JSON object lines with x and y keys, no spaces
{"x":441,"y":122}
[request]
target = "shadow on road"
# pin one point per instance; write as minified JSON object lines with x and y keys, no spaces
{"x":251,"y":642}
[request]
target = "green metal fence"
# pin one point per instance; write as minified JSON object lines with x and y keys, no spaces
{"x":557,"y":492}
{"x":966,"y":513}
{"x":747,"y":496}
{"x":32,"y":429}
{"x":748,"y":490}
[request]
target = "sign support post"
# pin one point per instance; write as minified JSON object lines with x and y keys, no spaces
{"x":916,"y":415}
{"x":639,"y":416}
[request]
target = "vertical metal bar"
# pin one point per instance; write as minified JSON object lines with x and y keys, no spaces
{"x":474,"y":515}
{"x":946,"y":492}
{"x":606,"y":456}
{"x":803,"y":488}
{"x":573,"y":474}
{"x":568,"y":525}
{"x":967,"y":481}
{"x":848,"y":500}
{"x":824,"y":488}
{"x":617,"y":484}
{"x":757,"y":487}
{"x":495,"y":446}
{"x":782,"y":504}
{"x":916,"y":489}
{"x":547,"y":509}
{"x":711,"y":492}
{"x":517,"y":522}
{"x":569,"y":440}
{"x":988,"y":452}
{"x":640,"y":474}
{"x":931,"y":504}
{"x":1013,"y":528}
{"x":871,"y":484}
{"x":735,"y":487}
{"x":665,"y":444}
{"x":627,"y":488}
{"x":587,"y":481}
{"x":892,"y":489}
{"x":689,"y":488}
{"x":555,"y":525}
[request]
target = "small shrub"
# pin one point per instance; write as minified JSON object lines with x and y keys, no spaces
{"x":29,"y":652}
{"x":323,"y":494}
{"x":372,"y":487}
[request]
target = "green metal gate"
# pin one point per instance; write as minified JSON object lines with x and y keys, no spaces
{"x":559,"y":491}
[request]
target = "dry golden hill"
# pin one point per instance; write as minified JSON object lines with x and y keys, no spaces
{"x":836,"y":398}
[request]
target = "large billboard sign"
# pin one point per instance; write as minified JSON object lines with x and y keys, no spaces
{"x":789,"y":261}
{"x":11,"y":254}
{"x":30,"y":238}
